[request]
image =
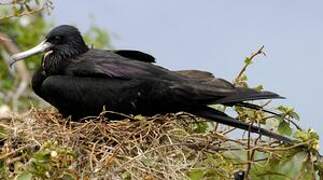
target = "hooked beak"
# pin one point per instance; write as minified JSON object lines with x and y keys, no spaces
{"x":41,"y":47}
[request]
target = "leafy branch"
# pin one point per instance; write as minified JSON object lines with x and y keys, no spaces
{"x":18,"y":8}
{"x":308,"y":140}
{"x":248,"y":61}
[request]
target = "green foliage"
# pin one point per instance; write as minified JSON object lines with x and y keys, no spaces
{"x":27,"y":32}
{"x":24,"y":176}
{"x":16,"y":8}
{"x":290,"y":165}
{"x":97,"y":37}
{"x":288,"y":112}
{"x":200,"y":127}
{"x":51,"y":160}
{"x":301,"y":161}
{"x":196,"y":174}
{"x":215,"y":166}
{"x":284,"y":128}
{"x":310,"y":137}
{"x":248,"y":61}
{"x":44,"y":162}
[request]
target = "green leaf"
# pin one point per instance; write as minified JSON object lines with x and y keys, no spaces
{"x":196,"y":174}
{"x":280,"y":119}
{"x":290,"y":166}
{"x":284,"y":128}
{"x":42,"y":156}
{"x":259,"y":88}
{"x":302,"y":135}
{"x":244,"y":78}
{"x":248,"y":61}
{"x":294,"y":115}
{"x":7,"y":84}
{"x":68,"y":176}
{"x":306,"y":135}
{"x":3,"y":133}
{"x":310,"y":137}
{"x":4,"y":169}
{"x":24,"y":176}
{"x":282,"y":109}
{"x":200,"y":127}
{"x":126,"y":176}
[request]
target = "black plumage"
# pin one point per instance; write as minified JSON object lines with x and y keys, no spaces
{"x":80,"y":81}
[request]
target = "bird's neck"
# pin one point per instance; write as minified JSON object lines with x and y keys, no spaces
{"x":55,"y":61}
{"x":54,"y":64}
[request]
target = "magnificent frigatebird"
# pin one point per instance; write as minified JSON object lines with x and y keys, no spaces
{"x":80,"y":81}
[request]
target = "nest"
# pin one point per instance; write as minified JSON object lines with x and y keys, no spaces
{"x":41,"y":144}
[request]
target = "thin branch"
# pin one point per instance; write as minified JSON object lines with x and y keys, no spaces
{"x":249,"y":156}
{"x":21,"y":68}
{"x":258,"y":52}
{"x":46,"y":4}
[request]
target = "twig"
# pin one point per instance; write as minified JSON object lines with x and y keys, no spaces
{"x":22,"y":71}
{"x":15,"y":151}
{"x":252,"y":155}
{"x":258,"y":52}
{"x":45,"y":4}
{"x":249,"y":156}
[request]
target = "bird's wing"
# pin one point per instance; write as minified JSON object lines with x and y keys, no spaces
{"x":205,"y":77}
{"x":201,"y":90}
{"x":196,"y":74}
{"x":135,"y":55}
{"x":111,"y":65}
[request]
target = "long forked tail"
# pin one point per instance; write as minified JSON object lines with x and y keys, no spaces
{"x":244,"y":94}
{"x":222,"y":118}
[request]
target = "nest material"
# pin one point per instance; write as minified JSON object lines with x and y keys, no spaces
{"x":42,"y":144}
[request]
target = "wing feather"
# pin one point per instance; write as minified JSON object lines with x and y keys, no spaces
{"x":198,"y":86}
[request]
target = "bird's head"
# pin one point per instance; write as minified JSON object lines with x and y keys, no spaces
{"x":64,"y":42}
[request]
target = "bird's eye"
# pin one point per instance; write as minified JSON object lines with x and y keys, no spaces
{"x":57,"y":38}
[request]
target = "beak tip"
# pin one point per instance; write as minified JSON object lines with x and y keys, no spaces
{"x":43,"y":46}
{"x":12,"y":61}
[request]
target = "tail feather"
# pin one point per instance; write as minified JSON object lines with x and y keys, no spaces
{"x":222,"y":118}
{"x":249,"y":95}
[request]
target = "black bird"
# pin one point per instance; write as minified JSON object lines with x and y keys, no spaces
{"x":80,"y":81}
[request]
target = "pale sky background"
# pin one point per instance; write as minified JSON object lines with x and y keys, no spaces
{"x":217,"y":35}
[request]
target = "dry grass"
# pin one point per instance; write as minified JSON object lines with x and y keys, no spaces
{"x":42,"y":144}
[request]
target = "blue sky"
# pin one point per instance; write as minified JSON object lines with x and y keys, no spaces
{"x":217,"y":35}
